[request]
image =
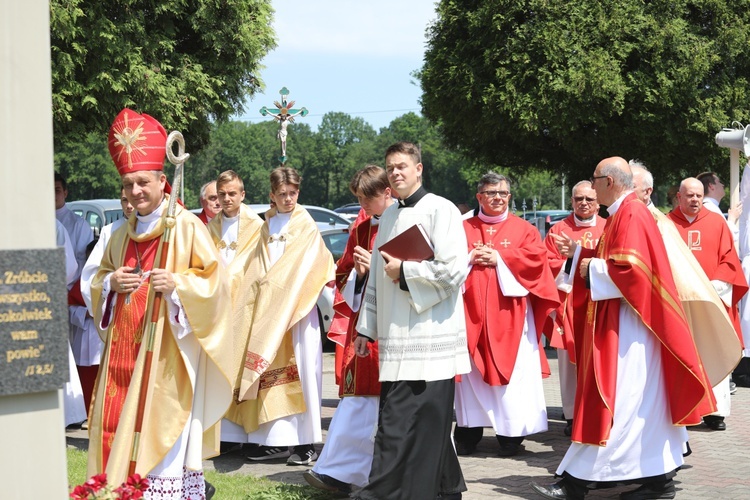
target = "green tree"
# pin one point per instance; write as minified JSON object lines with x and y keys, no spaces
{"x":561,"y":85}
{"x":187,"y":63}
{"x":88,"y":168}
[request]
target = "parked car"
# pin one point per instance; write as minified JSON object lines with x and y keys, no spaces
{"x":544,"y":213}
{"x":321,"y":215}
{"x":98,"y":213}
{"x":349,"y":211}
{"x":544,"y":222}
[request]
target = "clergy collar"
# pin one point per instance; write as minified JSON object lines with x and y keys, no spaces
{"x":412,"y":200}
{"x":612,"y":209}
{"x":492,"y":219}
{"x":153,"y":215}
{"x":590,"y":222}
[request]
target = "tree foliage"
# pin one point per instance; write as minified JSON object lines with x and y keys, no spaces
{"x":327,"y":159}
{"x":561,"y":85}
{"x":186,"y":62}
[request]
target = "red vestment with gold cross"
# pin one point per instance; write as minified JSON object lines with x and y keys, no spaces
{"x":566,"y":324}
{"x":494,"y":322}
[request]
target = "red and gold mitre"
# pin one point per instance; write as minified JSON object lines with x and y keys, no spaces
{"x":137,"y":142}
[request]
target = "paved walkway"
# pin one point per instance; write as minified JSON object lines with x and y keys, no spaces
{"x":719,"y":467}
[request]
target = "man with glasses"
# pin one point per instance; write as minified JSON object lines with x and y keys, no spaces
{"x":509,"y":293}
{"x":640,"y":380}
{"x":585,"y":227}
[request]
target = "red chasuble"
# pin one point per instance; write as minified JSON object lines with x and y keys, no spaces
{"x":710,"y":240}
{"x":637,"y":263}
{"x":562,"y":330}
{"x":494,"y":323}
{"x":127,"y":333}
{"x":356,"y":376}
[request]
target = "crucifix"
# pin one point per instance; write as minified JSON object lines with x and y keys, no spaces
{"x":284,"y":114}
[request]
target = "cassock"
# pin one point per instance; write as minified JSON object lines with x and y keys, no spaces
{"x":562,"y":329}
{"x":506,"y":307}
{"x":236,"y":239}
{"x":421,"y":332}
{"x":189,"y":384}
{"x":203,"y":216}
{"x":711,"y":242}
{"x":347,"y":454}
{"x":640,"y":379}
{"x":280,"y":379}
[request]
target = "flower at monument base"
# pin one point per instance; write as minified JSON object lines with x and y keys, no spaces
{"x":96,"y":487}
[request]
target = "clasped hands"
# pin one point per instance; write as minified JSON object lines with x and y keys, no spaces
{"x":124,"y":280}
{"x":483,"y":256}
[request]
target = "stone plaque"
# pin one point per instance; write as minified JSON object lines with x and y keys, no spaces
{"x":33,"y":321}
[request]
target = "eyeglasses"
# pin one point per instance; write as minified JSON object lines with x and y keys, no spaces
{"x":492,"y":194}
{"x":579,"y":199}
{"x":595,"y":177}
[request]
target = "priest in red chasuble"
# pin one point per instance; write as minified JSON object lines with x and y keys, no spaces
{"x":710,"y":239}
{"x":190,"y":381}
{"x":509,"y":293}
{"x":585,"y":227}
{"x":640,"y":379}
{"x":347,"y":455}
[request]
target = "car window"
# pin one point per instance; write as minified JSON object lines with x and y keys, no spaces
{"x":336,"y":243}
{"x":94,"y":220}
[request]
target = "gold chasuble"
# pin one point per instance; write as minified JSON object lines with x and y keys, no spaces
{"x":712,"y":329}
{"x":247,"y":239}
{"x":191,"y":374}
{"x":273,"y":299}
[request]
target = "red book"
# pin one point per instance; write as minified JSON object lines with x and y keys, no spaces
{"x":413,"y":244}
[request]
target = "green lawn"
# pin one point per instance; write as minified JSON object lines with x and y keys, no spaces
{"x":228,"y":486}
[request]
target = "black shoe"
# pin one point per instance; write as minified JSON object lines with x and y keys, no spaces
{"x":210,"y":490}
{"x":557,"y":491}
{"x":464,"y":449}
{"x":303,"y":454}
{"x":268,"y":453}
{"x":449,"y":496}
{"x":227,"y":447}
{"x":568,"y":428}
{"x":509,"y":449}
{"x":651,"y":491}
{"x":715,"y":423}
{"x":326,"y":483}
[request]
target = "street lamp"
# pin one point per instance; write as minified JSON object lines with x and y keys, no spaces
{"x":736,"y":139}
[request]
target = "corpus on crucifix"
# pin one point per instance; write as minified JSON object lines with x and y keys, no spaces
{"x":284,"y":114}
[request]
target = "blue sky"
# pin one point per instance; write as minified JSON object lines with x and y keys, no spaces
{"x":352,"y":56}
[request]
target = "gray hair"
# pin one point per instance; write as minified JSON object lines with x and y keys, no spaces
{"x":586,"y":183}
{"x":203,"y":189}
{"x":648,"y":179}
{"x":492,"y":178}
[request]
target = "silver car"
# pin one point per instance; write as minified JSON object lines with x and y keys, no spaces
{"x":98,"y":213}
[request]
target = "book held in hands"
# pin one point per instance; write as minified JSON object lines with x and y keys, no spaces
{"x":413,"y":245}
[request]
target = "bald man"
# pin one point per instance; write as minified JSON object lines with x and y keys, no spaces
{"x":711,"y":242}
{"x":639,"y":377}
